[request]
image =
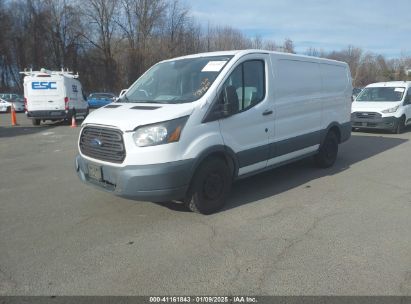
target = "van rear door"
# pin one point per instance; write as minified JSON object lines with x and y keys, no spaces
{"x":45,"y":93}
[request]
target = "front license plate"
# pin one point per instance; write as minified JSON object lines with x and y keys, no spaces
{"x":94,"y":172}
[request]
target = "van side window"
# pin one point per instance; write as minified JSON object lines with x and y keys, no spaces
{"x":248,"y":82}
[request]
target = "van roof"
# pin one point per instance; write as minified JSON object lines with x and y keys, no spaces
{"x":47,"y":73}
{"x":240,"y":53}
{"x":390,"y":84}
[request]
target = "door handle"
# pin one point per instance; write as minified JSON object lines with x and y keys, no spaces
{"x":267,"y":112}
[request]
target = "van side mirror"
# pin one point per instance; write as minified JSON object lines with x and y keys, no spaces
{"x":230,"y":101}
{"x":226,"y":105}
{"x":123,"y":91}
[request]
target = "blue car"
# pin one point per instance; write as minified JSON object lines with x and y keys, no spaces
{"x":96,"y":100}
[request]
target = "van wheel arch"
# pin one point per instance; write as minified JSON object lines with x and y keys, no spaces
{"x":222,"y":152}
{"x":333,"y":127}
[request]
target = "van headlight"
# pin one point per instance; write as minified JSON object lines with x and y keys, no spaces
{"x":160,"y":133}
{"x":390,"y":110}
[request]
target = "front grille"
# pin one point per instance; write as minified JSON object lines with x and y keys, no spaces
{"x":367,"y":115}
{"x":103,"y":143}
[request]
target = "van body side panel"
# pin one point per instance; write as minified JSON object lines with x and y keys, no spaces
{"x":297,"y":108}
{"x":74,"y":93}
{"x":306,"y":105}
{"x":336,"y":87}
{"x":298,"y":98}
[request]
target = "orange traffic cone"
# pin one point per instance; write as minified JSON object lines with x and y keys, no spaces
{"x":13,"y":117}
{"x":73,"y":122}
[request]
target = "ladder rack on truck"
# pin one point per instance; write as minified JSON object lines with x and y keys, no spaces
{"x":44,"y":72}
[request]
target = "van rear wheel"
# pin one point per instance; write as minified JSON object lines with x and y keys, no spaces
{"x":35,"y":122}
{"x":209,"y":188}
{"x":327,"y":155}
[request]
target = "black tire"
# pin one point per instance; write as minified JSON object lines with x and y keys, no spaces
{"x":327,"y":154}
{"x":210,"y":187}
{"x":35,"y":122}
{"x":400,"y":126}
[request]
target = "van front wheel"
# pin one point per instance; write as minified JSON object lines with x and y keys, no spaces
{"x":210,"y":187}
{"x":400,"y":126}
{"x":327,"y":154}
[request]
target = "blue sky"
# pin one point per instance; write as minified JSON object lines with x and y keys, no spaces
{"x":382,"y":27}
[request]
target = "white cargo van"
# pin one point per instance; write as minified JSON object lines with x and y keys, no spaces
{"x":384,"y":105}
{"x":190,"y":126}
{"x":53,"y":95}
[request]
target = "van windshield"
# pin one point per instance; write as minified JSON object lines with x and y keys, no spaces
{"x":383,"y":94}
{"x":178,"y":81}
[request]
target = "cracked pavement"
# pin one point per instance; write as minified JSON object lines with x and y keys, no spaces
{"x":296,"y":230}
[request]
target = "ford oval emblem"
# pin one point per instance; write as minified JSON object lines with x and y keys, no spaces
{"x":96,"y":142}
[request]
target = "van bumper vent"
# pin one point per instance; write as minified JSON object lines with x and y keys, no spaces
{"x":103,"y":144}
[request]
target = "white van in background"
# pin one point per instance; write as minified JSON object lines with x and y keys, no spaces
{"x":383,"y":105}
{"x":190,"y":126}
{"x":53,"y":95}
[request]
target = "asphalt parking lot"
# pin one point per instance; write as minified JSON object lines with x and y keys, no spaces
{"x":296,"y":230}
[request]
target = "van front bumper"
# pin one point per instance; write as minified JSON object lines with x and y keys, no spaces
{"x":157,"y":183}
{"x":378,"y":122}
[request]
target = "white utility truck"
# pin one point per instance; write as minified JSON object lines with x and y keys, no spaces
{"x":53,"y":95}
{"x":190,"y":126}
{"x":383,"y":105}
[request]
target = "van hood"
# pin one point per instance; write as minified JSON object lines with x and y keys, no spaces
{"x":128,"y":116}
{"x":373,"y":106}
